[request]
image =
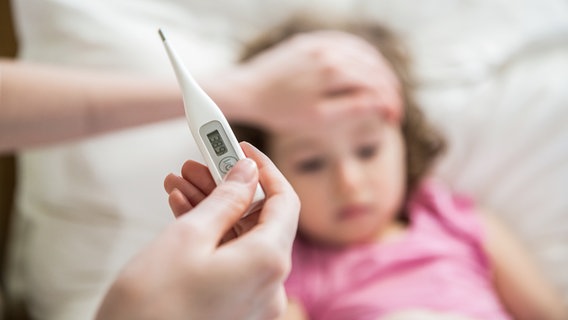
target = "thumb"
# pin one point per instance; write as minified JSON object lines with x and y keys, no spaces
{"x":218,"y":212}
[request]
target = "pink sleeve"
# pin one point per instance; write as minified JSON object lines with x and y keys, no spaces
{"x":456,"y":212}
{"x":295,"y":283}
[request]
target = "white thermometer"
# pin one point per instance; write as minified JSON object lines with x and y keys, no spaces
{"x":209,"y":127}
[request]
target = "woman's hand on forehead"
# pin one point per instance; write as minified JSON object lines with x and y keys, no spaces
{"x":319,"y":75}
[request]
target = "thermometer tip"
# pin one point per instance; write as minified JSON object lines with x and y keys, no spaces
{"x":161,"y":35}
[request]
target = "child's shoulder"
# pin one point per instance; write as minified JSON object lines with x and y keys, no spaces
{"x":435,"y":203}
{"x":434,"y":192}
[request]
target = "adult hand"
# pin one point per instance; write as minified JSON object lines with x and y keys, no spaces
{"x":194,"y":184}
{"x":314,"y":75}
{"x":189,"y":273}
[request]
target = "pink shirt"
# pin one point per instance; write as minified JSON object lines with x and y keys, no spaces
{"x":438,"y":265}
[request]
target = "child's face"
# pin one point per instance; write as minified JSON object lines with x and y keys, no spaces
{"x":349,"y":175}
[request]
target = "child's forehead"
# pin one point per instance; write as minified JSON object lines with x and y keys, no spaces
{"x":323,"y":133}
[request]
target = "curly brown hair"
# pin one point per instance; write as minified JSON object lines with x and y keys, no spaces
{"x":423,"y":142}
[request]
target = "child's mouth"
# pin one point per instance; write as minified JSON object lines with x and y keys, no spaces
{"x":353,"y":212}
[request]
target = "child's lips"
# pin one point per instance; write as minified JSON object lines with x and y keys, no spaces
{"x":354,"y":212}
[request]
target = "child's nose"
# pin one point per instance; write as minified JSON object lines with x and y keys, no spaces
{"x":348,"y":177}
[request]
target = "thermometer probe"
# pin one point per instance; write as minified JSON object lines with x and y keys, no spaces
{"x":209,"y":127}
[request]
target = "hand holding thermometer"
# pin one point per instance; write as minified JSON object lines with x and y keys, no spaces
{"x":211,"y":131}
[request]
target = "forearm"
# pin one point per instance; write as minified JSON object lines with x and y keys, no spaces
{"x":527,"y":294}
{"x":532,"y":299}
{"x":41,"y":105}
{"x":520,"y":284}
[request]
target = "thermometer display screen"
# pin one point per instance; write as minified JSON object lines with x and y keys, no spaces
{"x":217,"y":142}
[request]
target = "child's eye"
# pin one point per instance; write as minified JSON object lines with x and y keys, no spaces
{"x":368,"y":151}
{"x":310,"y":165}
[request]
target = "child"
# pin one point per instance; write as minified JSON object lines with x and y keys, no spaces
{"x":376,"y":235}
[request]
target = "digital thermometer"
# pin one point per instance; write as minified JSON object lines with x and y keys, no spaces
{"x":209,"y":127}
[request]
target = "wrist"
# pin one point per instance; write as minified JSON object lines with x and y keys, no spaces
{"x":236,"y":92}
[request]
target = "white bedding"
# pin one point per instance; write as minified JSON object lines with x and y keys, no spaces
{"x":493,"y":74}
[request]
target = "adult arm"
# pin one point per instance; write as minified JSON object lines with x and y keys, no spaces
{"x":310,"y":76}
{"x":41,"y":104}
{"x":520,"y":284}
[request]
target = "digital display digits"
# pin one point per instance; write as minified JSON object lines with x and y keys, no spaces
{"x":217,"y":142}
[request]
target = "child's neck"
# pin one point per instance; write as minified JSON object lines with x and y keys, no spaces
{"x":392,"y":232}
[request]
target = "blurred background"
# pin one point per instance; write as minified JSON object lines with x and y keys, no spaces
{"x":8,"y":48}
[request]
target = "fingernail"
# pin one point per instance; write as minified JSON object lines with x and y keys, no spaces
{"x":243,"y":171}
{"x":249,"y":145}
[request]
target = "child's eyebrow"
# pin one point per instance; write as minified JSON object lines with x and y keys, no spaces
{"x":297,"y":146}
{"x":368,"y":127}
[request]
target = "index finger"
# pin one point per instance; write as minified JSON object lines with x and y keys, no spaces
{"x":278,"y":219}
